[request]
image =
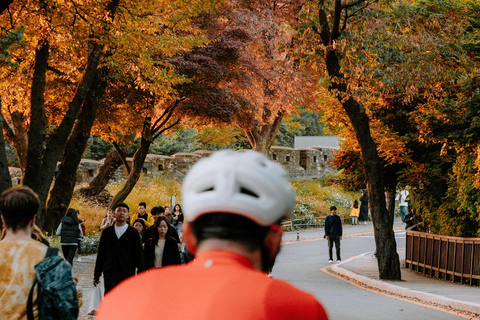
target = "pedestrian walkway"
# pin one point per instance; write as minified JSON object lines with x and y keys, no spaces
{"x":363,"y":270}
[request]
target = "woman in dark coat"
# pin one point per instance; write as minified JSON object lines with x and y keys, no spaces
{"x":363,"y":208}
{"x":70,"y":231}
{"x":162,"y":249}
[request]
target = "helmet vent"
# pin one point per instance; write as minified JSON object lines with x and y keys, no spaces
{"x":207,"y":190}
{"x":248,"y":192}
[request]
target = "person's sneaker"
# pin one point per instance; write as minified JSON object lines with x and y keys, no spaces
{"x":338,"y":261}
{"x":79,"y":259}
{"x":330,"y":261}
{"x":365,"y":222}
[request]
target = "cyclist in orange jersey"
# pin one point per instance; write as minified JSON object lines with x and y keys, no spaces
{"x":234,"y":203}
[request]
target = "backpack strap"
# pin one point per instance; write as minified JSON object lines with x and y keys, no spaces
{"x":51,"y":251}
{"x":30,"y":301}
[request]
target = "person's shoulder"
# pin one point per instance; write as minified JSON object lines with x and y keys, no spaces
{"x":32,"y":248}
{"x":131,"y":229}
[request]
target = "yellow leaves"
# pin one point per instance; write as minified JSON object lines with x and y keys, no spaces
{"x":220,"y":136}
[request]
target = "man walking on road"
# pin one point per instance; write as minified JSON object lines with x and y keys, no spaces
{"x":120,"y":252}
{"x":333,"y":233}
{"x":234,"y":203}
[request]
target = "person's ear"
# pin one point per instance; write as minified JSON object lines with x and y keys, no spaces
{"x":189,"y":238}
{"x":273,"y":240}
{"x":32,"y":222}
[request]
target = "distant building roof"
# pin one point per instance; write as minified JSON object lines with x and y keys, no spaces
{"x":327,"y":142}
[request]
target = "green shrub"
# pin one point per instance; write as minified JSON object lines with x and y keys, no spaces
{"x":89,"y":243}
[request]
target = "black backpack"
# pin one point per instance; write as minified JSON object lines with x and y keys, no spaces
{"x":56,"y":291}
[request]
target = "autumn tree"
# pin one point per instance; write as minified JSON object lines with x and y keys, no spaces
{"x":413,"y":69}
{"x":276,"y":80}
{"x":52,"y":75}
{"x":330,"y":21}
{"x":134,"y":87}
{"x":201,"y":96}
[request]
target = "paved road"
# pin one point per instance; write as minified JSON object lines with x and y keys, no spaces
{"x":301,"y":262}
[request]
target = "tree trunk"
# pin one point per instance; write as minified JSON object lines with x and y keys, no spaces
{"x":62,"y":191}
{"x":113,"y":161}
{"x":42,"y":161}
{"x":136,"y":169}
{"x":387,"y":257}
{"x":17,"y":138}
{"x":261,"y":137}
{"x":5,"y":178}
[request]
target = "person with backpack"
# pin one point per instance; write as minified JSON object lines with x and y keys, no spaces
{"x":69,"y":231}
{"x":32,"y":275}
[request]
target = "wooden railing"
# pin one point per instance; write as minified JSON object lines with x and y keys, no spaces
{"x":450,"y":258}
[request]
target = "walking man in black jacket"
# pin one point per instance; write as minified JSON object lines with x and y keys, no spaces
{"x":120,"y":252}
{"x":333,"y":233}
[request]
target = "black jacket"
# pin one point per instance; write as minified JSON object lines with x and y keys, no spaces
{"x":333,"y":226}
{"x":70,"y":232}
{"x":119,"y":258}
{"x":171,"y":255}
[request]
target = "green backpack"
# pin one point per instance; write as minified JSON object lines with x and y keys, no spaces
{"x":56,"y":290}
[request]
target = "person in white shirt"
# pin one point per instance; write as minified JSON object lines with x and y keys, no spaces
{"x":120,"y":251}
{"x":403,"y":197}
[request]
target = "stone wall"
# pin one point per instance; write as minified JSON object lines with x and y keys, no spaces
{"x":301,"y":164}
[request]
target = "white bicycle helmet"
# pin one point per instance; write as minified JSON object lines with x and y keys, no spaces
{"x":244,"y":183}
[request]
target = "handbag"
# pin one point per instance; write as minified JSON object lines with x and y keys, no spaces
{"x":95,"y":298}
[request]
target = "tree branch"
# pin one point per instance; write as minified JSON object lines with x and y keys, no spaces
{"x":337,"y":17}
{"x":165,"y":129}
{"x":324,"y":26}
{"x":168,"y":114}
{"x":123,"y":156}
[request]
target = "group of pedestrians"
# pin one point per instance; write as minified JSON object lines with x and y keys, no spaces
{"x":234,"y":204}
{"x":359,"y":210}
{"x":151,"y":240}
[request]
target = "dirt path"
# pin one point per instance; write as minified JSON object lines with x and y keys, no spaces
{"x":83,"y":271}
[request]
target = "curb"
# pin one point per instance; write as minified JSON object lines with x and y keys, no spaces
{"x":387,"y":287}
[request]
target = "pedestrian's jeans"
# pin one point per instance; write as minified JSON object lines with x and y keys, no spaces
{"x":178,"y":228}
{"x":333,"y":239}
{"x":403,"y":212}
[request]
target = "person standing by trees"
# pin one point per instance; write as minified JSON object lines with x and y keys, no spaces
{"x":333,"y":233}
{"x":363,"y":208}
{"x":142,"y":214}
{"x":69,"y":231}
{"x":108,"y":221}
{"x":403,"y":199}
{"x":177,"y":218}
{"x":355,"y":212}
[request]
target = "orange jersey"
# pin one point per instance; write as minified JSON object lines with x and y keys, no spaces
{"x":216,"y":285}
